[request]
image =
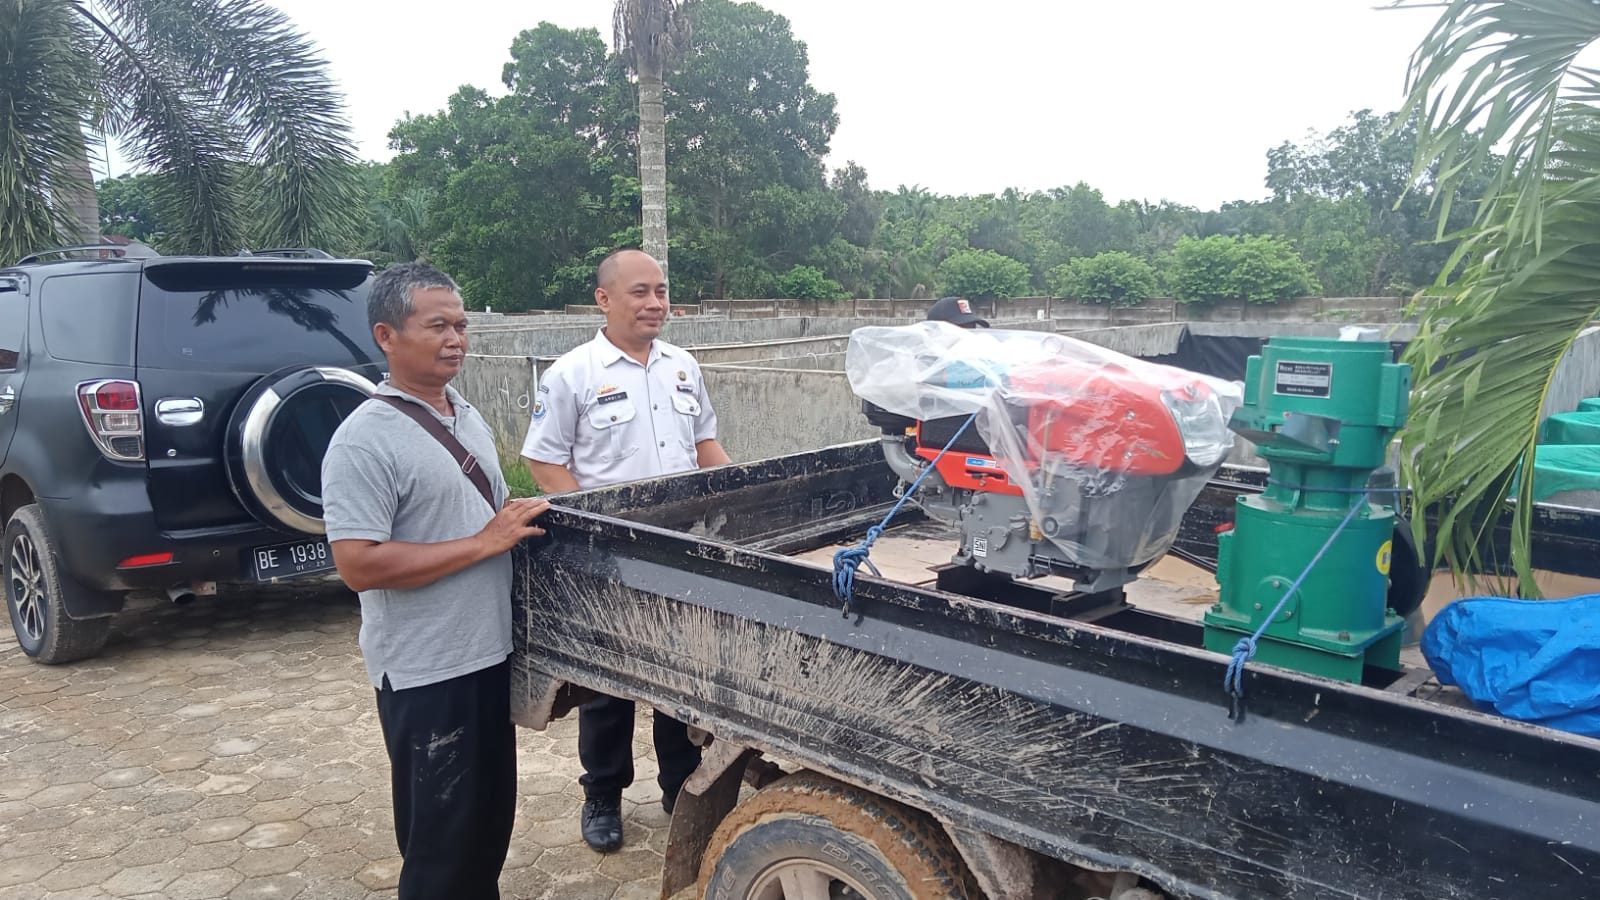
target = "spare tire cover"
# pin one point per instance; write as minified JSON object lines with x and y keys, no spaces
{"x":278,"y":435}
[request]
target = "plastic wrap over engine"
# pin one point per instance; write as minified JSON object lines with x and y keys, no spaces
{"x":1103,"y":452}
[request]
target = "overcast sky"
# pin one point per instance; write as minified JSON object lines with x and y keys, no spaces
{"x":1143,"y":99}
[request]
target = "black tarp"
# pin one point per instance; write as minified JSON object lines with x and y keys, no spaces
{"x":1223,"y":356}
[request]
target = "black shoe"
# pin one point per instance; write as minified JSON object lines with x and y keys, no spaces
{"x":602,"y":823}
{"x":668,"y":801}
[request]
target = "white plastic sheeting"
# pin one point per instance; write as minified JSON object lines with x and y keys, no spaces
{"x":1107,"y":451}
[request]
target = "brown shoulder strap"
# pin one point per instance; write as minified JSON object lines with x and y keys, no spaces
{"x":468,"y":462}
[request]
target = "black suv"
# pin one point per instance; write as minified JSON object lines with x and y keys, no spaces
{"x":162,"y":426}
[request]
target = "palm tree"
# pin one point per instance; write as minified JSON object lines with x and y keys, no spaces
{"x":1529,"y":280}
{"x":224,"y":99}
{"x":648,"y":33}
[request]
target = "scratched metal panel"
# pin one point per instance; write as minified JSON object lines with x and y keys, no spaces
{"x":1079,"y":744}
{"x":1075,"y":740}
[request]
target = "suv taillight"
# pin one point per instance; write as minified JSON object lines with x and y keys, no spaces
{"x":114,"y":417}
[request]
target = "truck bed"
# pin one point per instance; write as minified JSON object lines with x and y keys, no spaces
{"x":1092,"y":731}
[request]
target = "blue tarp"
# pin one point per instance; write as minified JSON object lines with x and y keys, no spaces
{"x":1532,"y":660}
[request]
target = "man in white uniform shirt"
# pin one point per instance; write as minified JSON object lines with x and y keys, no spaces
{"x":622,"y":407}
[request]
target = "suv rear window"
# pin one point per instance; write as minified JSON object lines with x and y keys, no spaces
{"x":241,"y":322}
{"x":89,"y":317}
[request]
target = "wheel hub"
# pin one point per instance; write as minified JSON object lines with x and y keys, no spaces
{"x":26,"y":585}
{"x":806,"y":879}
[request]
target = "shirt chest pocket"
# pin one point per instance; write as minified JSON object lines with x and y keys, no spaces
{"x":685,"y":403}
{"x":611,"y":420}
{"x":612,"y":414}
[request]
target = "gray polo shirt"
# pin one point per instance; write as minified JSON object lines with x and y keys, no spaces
{"x":385,"y":478}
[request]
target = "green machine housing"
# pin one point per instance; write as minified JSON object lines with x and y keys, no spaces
{"x":1322,"y":412}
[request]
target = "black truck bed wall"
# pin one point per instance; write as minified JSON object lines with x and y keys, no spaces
{"x":1087,"y":744}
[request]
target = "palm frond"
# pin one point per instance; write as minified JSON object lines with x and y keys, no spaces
{"x":46,"y":97}
{"x":1485,"y":358}
{"x":272,"y":89}
{"x":1505,"y":67}
{"x":649,"y":33}
{"x":168,"y":126}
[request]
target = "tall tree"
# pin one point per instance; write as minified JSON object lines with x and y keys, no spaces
{"x":1367,"y":163}
{"x":746,"y":123}
{"x":224,"y":99}
{"x":1484,"y":358}
{"x":648,"y":34}
{"x":519,"y":190}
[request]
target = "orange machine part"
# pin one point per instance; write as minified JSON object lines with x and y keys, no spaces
{"x":1103,"y":416}
{"x":973,"y":471}
{"x":1090,"y":415}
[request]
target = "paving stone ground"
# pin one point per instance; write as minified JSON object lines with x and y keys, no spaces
{"x":230,"y":749}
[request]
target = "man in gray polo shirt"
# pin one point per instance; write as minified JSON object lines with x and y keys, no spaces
{"x":428,"y":554}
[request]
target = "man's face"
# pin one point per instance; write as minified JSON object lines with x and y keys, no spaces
{"x":430,"y":346}
{"x":634,"y":298}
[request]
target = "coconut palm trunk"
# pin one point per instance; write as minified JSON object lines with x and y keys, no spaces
{"x":648,"y":33}
{"x":653,"y":165}
{"x":81,"y":200}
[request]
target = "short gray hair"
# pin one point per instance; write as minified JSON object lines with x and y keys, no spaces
{"x":389,"y":300}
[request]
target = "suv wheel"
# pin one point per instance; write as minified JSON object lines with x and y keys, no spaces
{"x":34,"y":588}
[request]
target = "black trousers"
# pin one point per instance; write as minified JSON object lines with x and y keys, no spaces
{"x":453,"y":764}
{"x":605,"y":747}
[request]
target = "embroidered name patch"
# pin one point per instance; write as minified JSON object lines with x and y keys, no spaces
{"x":612,"y":398}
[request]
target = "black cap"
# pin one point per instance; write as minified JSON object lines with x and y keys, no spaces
{"x":955,"y":310}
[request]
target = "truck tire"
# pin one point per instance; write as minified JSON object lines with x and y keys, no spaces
{"x":808,"y":837}
{"x":34,"y":586}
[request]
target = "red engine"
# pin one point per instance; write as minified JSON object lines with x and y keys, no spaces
{"x":1096,"y":417}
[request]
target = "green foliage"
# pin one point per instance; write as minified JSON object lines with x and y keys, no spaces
{"x":1350,"y":198}
{"x":1528,"y":263}
{"x":746,"y":133}
{"x":1254,"y":268}
{"x":982,"y":273}
{"x":511,"y":194}
{"x":519,"y":481}
{"x":520,"y":190}
{"x":130,"y":207}
{"x":1268,"y":270}
{"x":1114,"y":277}
{"x":1201,"y":270}
{"x":226,"y":101}
{"x":46,"y":91}
{"x":809,"y":283}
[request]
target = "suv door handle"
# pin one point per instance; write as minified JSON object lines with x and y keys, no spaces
{"x":179,"y":410}
{"x":8,"y":398}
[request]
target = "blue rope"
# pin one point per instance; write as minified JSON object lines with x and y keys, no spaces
{"x":846,"y":561}
{"x":1233,"y":679}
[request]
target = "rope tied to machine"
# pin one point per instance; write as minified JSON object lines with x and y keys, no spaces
{"x":849,"y":559}
{"x":1233,"y":678}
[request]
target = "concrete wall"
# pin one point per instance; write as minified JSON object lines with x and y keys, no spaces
{"x":761,"y":412}
{"x":765,"y":412}
{"x":551,"y":340}
{"x":501,"y":388}
{"x":1577,"y":377}
{"x":823,"y":362}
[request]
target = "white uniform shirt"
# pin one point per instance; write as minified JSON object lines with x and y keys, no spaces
{"x":609,"y":419}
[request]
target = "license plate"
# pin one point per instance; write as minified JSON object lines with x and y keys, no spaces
{"x":291,"y":560}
